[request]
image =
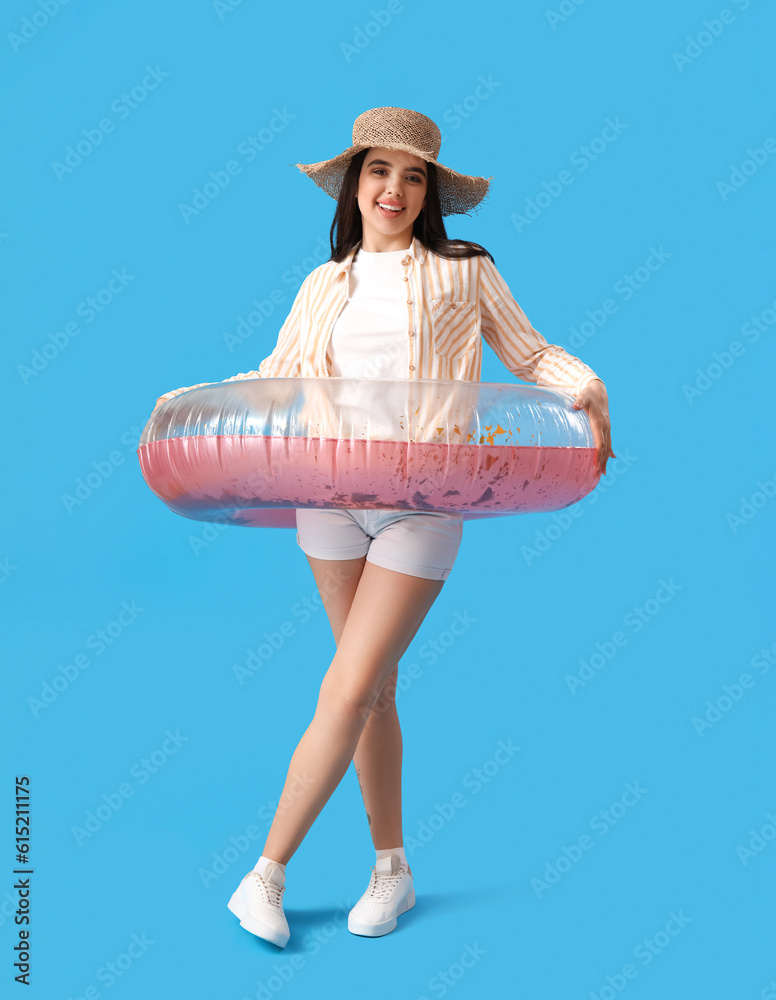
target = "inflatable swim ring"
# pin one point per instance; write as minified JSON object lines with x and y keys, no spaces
{"x":248,"y":452}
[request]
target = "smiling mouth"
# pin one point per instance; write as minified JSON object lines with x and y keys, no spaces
{"x":390,"y":212}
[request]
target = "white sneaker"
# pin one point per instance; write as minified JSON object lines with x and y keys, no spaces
{"x":258,"y":902}
{"x":391,"y":891}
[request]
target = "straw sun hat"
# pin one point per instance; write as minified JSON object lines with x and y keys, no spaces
{"x":399,"y":128}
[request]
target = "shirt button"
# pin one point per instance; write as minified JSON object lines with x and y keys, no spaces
{"x":412,"y":368}
{"x":405,"y":279}
{"x":452,"y":305}
{"x":412,"y":333}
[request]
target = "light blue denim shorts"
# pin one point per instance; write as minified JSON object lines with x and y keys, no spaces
{"x":417,"y":542}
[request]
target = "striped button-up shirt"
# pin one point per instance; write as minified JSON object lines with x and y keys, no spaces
{"x":451,"y":306}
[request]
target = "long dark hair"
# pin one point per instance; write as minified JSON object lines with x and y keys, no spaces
{"x":347,"y":230}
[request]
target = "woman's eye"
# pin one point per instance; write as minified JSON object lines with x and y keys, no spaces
{"x":410,"y":177}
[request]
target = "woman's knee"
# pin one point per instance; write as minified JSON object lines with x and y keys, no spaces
{"x":356,"y":697}
{"x":351,"y":703}
{"x":386,"y":700}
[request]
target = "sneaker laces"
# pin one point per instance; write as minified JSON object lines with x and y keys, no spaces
{"x":382,"y":885}
{"x":272,"y":893}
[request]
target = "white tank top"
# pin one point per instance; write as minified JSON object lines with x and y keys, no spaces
{"x":370,"y":336}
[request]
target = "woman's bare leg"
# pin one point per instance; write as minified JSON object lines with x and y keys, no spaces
{"x":378,"y":760}
{"x":386,"y":610}
{"x":378,"y":756}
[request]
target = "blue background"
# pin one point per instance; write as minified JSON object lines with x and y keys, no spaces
{"x":542,"y":592}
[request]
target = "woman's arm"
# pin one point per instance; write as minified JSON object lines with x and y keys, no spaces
{"x":526,"y":354}
{"x":523,"y":350}
{"x":284,"y":362}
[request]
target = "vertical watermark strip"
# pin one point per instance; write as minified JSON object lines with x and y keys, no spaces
{"x":22,"y":885}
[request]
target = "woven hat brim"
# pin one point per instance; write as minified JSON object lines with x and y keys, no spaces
{"x":458,"y":193}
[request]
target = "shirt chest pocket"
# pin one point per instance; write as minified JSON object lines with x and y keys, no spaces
{"x":455,"y":327}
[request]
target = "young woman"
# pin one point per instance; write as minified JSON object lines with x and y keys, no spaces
{"x":397,"y":299}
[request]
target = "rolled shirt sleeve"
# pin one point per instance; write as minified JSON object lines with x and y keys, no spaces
{"x":523,"y":350}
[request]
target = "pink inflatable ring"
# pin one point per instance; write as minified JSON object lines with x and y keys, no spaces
{"x":249,"y":452}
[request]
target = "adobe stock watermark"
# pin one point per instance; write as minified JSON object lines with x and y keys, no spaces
{"x":7,"y":569}
{"x":758,"y":840}
{"x":141,"y":771}
{"x":645,"y":952}
{"x":581,"y":159}
{"x":601,"y":823}
{"x":724,"y":360}
{"x":431,"y":650}
{"x":624,"y":288}
{"x":212,"y":530}
{"x":122,"y":107}
{"x":272,"y":642}
{"x":474,"y":781}
{"x":769,"y":992}
{"x":225,"y":7}
{"x":711,"y":30}
{"x":220,"y":179}
{"x":565,"y":10}
{"x":68,"y":673}
{"x":111,"y":972}
{"x":461,"y":111}
{"x":312,"y":943}
{"x":87,"y":310}
{"x":259,"y":481}
{"x":102,"y":469}
{"x":635,"y":620}
{"x":364,"y":35}
{"x":8,"y":908}
{"x":248,"y":322}
{"x":733,"y":693}
{"x":223,"y":860}
{"x":749,"y":507}
{"x":32,"y":25}
{"x":446,"y":979}
{"x":545,"y":538}
{"x":740,"y":173}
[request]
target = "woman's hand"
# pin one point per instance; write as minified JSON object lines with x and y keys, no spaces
{"x":594,"y":399}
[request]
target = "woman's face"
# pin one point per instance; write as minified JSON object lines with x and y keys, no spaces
{"x":390,"y":177}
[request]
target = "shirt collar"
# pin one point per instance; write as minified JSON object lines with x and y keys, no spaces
{"x":416,"y":251}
